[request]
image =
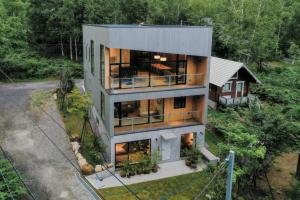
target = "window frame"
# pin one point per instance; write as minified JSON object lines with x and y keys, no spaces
{"x":230,"y":87}
{"x":102,"y":106}
{"x":102,"y":64}
{"x":92,"y":57}
{"x":128,"y":148}
{"x":181,"y":104}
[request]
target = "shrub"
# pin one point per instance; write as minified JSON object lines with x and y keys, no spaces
{"x":26,"y":65}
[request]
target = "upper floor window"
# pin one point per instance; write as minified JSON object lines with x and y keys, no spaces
{"x":102,"y":106}
{"x":227,"y":87}
{"x":92,"y":57}
{"x":86,"y":51}
{"x":179,"y":102}
{"x":102,"y":64}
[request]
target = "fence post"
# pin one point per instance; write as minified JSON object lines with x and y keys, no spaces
{"x":229,"y":175}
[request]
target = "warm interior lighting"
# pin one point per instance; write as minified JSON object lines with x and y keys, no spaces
{"x":157,"y":57}
{"x":163,"y":59}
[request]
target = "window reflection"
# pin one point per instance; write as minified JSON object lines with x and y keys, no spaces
{"x":138,"y":112}
{"x":131,"y":151}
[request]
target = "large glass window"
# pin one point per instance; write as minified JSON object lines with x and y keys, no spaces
{"x":92,"y":57}
{"x":179,"y":102}
{"x":102,"y":64}
{"x":188,"y":141}
{"x":138,"y":112}
{"x":131,"y":151}
{"x":102,"y":105}
{"x":144,"y":69}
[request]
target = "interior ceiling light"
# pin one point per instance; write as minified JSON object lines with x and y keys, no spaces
{"x":163,"y":59}
{"x":157,"y":57}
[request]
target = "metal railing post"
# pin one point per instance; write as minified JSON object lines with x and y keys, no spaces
{"x":132,"y":82}
{"x":169,"y":80}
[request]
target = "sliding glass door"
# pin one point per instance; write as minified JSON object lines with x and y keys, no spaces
{"x":138,"y":112}
{"x":133,"y":69}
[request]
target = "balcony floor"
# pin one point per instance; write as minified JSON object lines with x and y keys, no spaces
{"x":158,"y":83}
{"x":154,"y":126}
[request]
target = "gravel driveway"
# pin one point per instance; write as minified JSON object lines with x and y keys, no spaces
{"x":47,"y":173}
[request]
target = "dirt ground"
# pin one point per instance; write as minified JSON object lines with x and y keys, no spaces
{"x":281,"y":175}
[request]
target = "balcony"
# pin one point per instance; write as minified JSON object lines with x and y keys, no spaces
{"x":237,"y":101}
{"x":167,"y":81}
{"x":138,"y":70}
{"x":155,"y":122}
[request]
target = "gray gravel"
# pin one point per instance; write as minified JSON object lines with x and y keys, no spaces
{"x":47,"y":173}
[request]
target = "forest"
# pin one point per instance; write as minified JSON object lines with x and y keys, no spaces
{"x":40,"y":38}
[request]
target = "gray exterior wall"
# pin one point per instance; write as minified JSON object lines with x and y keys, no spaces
{"x":194,"y":41}
{"x":190,"y":40}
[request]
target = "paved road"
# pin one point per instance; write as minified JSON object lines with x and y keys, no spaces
{"x":47,"y":172}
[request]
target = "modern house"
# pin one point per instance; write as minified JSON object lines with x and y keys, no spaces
{"x":149,"y":86}
{"x":229,"y":82}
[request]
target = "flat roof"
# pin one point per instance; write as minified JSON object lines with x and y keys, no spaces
{"x":189,"y":40}
{"x":143,"y":26}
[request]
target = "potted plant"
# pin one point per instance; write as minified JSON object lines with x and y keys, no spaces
{"x":132,"y":170}
{"x":139,"y":169}
{"x":126,"y":168}
{"x":188,"y":162}
{"x":154,"y":161}
{"x":123,"y":173}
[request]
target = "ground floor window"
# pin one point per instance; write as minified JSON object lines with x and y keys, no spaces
{"x":131,"y":151}
{"x":188,"y":141}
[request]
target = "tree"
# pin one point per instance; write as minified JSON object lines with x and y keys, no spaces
{"x":249,"y":154}
{"x":293,"y":51}
{"x":79,"y":104}
{"x":66,"y":84}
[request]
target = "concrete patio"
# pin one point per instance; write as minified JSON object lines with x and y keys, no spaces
{"x":166,"y":170}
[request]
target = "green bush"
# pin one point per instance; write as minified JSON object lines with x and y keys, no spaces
{"x":25,"y":65}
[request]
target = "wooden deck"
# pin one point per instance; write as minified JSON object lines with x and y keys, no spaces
{"x":154,"y":126}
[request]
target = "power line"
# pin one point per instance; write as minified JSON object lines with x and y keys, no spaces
{"x":7,"y":186}
{"x":67,"y":134}
{"x":17,"y":173}
{"x":221,"y":168}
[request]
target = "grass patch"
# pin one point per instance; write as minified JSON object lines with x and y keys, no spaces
{"x":90,"y":146}
{"x":182,"y":187}
{"x":88,"y":149}
{"x":212,"y":140}
{"x":39,"y":99}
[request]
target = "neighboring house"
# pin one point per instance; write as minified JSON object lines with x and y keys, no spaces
{"x":229,"y":82}
{"x":149,"y":86}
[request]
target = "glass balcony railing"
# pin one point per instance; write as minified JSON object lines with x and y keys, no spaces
{"x":135,"y":124}
{"x":157,"y":81}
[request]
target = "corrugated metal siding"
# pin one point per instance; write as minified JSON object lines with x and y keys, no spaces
{"x":180,"y":40}
{"x":222,"y":70}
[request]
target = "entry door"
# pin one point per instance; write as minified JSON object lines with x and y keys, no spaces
{"x":239,"y":88}
{"x":166,"y":150}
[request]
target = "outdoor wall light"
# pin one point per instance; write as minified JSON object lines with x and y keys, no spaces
{"x":156,"y":57}
{"x":163,"y":59}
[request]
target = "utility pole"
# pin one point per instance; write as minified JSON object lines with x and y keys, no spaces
{"x":229,"y":175}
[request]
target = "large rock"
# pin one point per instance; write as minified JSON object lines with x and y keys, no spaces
{"x":82,"y":162}
{"x":75,"y":146}
{"x":98,"y":168}
{"x":79,"y":156}
{"x":87,"y":169}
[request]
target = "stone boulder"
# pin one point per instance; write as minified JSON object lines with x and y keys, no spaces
{"x":87,"y":169}
{"x":82,"y":162}
{"x":98,"y":168}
